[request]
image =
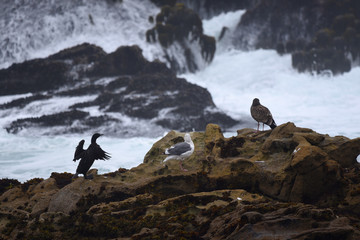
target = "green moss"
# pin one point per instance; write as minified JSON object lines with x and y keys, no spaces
{"x":6,"y":184}
{"x":14,"y":223}
{"x":25,"y":186}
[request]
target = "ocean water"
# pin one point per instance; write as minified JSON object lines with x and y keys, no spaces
{"x":326,"y":104}
{"x":39,"y":28}
{"x":24,"y":158}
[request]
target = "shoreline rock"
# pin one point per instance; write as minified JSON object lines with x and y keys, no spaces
{"x":321,"y":36}
{"x":179,"y":27}
{"x":122,"y":83}
{"x":287,"y":183}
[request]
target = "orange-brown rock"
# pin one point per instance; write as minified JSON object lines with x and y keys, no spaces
{"x":288,"y":183}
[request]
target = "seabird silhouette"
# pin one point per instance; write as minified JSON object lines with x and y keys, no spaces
{"x":88,"y":156}
{"x":262,"y":114}
{"x":181,"y":151}
{"x":79,"y":150}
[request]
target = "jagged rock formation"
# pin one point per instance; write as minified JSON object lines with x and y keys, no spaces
{"x":209,"y":8}
{"x":122,"y":82}
{"x":289,"y":183}
{"x":320,"y":35}
{"x":179,"y":28}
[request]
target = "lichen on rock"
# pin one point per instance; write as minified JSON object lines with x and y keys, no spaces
{"x":290,"y":181}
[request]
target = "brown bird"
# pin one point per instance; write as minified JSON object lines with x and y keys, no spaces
{"x":262,"y":114}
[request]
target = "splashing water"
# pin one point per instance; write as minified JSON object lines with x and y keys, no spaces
{"x":326,"y":104}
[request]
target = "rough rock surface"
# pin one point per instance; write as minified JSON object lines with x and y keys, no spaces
{"x":320,"y":35}
{"x":288,"y":183}
{"x":178,"y":27}
{"x":122,"y":83}
{"x":210,"y":8}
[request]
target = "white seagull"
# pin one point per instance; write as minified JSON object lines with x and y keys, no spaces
{"x":181,"y":151}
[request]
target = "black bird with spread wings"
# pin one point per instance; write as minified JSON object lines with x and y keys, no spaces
{"x":88,"y":156}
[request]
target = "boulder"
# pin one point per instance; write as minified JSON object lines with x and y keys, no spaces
{"x":119,"y":83}
{"x":320,"y":35}
{"x":210,"y":8}
{"x":180,"y":25}
{"x":33,"y":76}
{"x":287,"y":183}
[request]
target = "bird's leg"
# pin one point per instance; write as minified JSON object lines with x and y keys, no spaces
{"x":75,"y":176}
{"x":263,"y":126}
{"x":185,"y":170}
{"x":258,"y":127}
{"x":90,"y":176}
{"x":163,"y":163}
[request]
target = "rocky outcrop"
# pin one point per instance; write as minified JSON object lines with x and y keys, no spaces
{"x":288,"y":183}
{"x":320,"y":35}
{"x":122,"y":82}
{"x":209,"y":8}
{"x":34,"y":76}
{"x":178,"y":27}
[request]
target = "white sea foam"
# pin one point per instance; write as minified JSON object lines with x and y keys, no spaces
{"x":37,"y":29}
{"x":39,"y":108}
{"x":326,"y":104}
{"x":28,"y":157}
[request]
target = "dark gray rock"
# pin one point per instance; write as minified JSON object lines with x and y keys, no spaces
{"x":179,"y":24}
{"x":120,"y":82}
{"x":320,"y":35}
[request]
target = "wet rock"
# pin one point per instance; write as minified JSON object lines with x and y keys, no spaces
{"x":33,"y":76}
{"x":320,"y":35}
{"x":119,"y":83}
{"x":255,"y":185}
{"x":210,"y":8}
{"x":81,"y":54}
{"x":180,"y":25}
{"x":22,"y":102}
{"x":126,"y":60}
{"x":319,"y":61}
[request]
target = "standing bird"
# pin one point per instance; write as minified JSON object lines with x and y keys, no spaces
{"x":88,"y":156}
{"x":261,"y":114}
{"x":181,"y":151}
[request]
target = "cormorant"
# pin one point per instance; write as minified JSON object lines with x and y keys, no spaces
{"x":261,"y":114}
{"x":79,"y":150}
{"x":181,"y":150}
{"x":88,"y":156}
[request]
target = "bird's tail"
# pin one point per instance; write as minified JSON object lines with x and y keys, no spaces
{"x":273,"y":124}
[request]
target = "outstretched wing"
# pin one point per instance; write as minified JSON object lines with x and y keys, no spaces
{"x":79,"y":151}
{"x":100,"y":154}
